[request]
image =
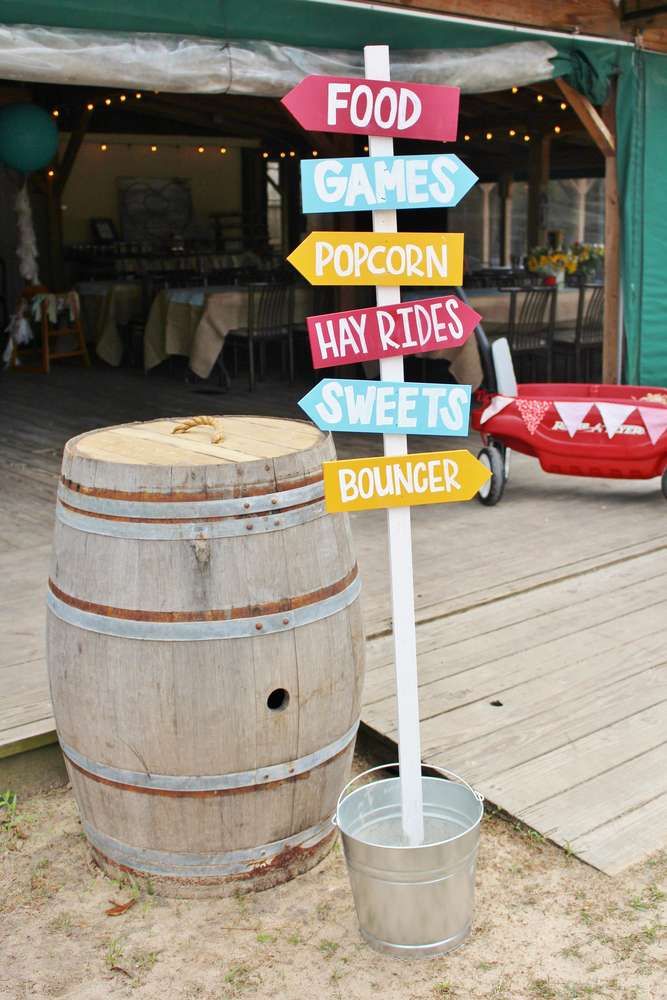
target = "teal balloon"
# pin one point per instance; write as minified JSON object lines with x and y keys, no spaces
{"x":28,"y":137}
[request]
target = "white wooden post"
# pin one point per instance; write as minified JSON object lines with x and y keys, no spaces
{"x":376,"y":67}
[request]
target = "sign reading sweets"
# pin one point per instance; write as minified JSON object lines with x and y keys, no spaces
{"x":389,"y":331}
{"x":380,"y":258}
{"x":366,"y":183}
{"x":389,"y":407}
{"x":402,"y":480}
{"x":375,"y":107}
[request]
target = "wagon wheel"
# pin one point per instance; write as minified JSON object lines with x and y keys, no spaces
{"x":492,"y":490}
{"x":664,"y":484}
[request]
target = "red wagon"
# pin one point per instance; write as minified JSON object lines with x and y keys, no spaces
{"x":605,"y":431}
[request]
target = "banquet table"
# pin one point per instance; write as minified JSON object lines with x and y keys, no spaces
{"x":107,"y":307}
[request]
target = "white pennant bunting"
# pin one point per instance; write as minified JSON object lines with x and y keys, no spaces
{"x":613,"y":415}
{"x":497,"y":404}
{"x":572,"y":415}
{"x":655,"y":420}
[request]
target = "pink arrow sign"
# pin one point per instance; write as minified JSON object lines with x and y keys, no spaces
{"x":373,"y":107}
{"x":388,"y":331}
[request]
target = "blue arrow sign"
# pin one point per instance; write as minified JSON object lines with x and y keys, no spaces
{"x":362,"y":183}
{"x":389,"y":407}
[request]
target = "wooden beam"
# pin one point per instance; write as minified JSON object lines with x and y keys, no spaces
{"x":596,"y":17}
{"x":589,"y":118}
{"x":538,"y":178}
{"x":612,"y":262}
{"x":64,"y":168}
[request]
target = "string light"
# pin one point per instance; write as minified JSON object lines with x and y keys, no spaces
{"x":489,"y":135}
{"x":201,"y":149}
{"x":138,"y":95}
{"x":515,"y":90}
{"x":466,"y":138}
{"x":365,"y":149}
{"x":557,"y":129}
{"x":526,"y":138}
{"x":153,"y":149}
{"x":265,"y":156}
{"x":563,"y":106}
{"x":282,"y":156}
{"x":292,"y":153}
{"x":122,"y":98}
{"x":103,"y":147}
{"x":51,"y":173}
{"x":223,"y":149}
{"x":540,"y":97}
{"x":314,"y":152}
{"x":107,"y":101}
{"x":90,"y":107}
{"x":55,"y":113}
{"x":512,"y":132}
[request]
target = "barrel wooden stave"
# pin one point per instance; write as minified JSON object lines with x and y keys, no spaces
{"x":126,"y":681}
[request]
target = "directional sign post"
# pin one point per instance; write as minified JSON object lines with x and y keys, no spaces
{"x":387,"y":259}
{"x":363,"y":183}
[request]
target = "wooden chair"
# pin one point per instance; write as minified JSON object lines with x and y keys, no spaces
{"x":585,"y":339}
{"x":532,"y":318}
{"x":50,"y":333}
{"x":269,"y":319}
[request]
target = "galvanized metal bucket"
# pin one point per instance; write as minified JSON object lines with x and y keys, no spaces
{"x":411,"y":901}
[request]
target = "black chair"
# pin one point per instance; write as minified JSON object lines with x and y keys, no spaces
{"x":270,"y":313}
{"x":585,"y":340}
{"x":530,"y":330}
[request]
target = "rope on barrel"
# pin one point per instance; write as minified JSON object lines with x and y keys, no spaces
{"x":186,"y":425}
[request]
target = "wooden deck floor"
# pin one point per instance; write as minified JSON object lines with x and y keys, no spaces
{"x":542,"y":632}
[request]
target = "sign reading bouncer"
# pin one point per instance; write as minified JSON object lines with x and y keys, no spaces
{"x":388,"y":259}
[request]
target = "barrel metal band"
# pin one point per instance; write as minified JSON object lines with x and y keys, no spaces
{"x":226,"y":527}
{"x":276,"y":501}
{"x":202,"y":784}
{"x":179,"y":864}
{"x":188,"y":631}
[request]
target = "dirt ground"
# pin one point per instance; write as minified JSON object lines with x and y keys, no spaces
{"x":547,"y":927}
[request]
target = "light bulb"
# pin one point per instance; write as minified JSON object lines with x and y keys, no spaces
{"x":526,"y":138}
{"x":282,"y":156}
{"x":265,"y":155}
{"x":292,"y":153}
{"x":466,"y":138}
{"x":314,"y":152}
{"x":563,"y":106}
{"x":107,"y":101}
{"x":55,"y":113}
{"x":512,"y":132}
{"x":153,"y":149}
{"x":104,"y":147}
{"x":489,"y":135}
{"x":123,"y":97}
{"x":200,"y":149}
{"x":557,"y":129}
{"x":540,"y":98}
{"x":52,"y":173}
{"x":515,"y":90}
{"x":223,"y":149}
{"x":89,"y":107}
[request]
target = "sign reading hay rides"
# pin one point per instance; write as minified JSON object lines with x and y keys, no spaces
{"x":388,"y":259}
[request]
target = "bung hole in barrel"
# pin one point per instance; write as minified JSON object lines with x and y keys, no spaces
{"x":278,"y":700}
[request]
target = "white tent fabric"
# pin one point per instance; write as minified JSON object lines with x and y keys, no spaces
{"x":180,"y":64}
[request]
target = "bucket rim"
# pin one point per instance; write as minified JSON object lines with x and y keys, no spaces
{"x":407,"y":847}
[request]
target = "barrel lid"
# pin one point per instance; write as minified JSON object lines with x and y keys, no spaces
{"x":242,"y":439}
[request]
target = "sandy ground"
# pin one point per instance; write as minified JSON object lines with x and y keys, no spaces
{"x":547,"y":926}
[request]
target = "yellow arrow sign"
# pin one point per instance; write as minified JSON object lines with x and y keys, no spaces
{"x":402,"y":480}
{"x":380,"y":258}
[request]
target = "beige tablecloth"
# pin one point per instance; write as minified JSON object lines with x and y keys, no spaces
{"x":106,"y":306}
{"x":194,"y":322}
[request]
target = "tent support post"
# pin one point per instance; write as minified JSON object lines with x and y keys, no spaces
{"x":602,"y":130}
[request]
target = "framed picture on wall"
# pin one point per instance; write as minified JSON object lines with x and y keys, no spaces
{"x":104,"y":230}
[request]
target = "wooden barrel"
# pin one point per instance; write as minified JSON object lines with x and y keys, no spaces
{"x":205,"y":650}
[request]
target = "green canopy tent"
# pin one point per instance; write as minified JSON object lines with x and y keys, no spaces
{"x":587,"y":64}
